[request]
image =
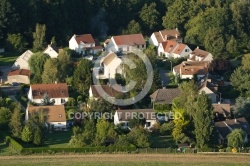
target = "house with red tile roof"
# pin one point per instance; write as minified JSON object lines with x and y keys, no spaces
{"x":187,"y":69}
{"x":167,"y":34}
{"x":125,"y":43}
{"x":57,"y":92}
{"x":173,"y":49}
{"x":54,"y":115}
{"x":85,"y":44}
{"x":200,"y":55}
{"x":19,"y":76}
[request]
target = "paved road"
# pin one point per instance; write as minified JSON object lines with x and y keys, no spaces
{"x":10,"y":90}
{"x":164,"y":77}
{"x":5,"y":70}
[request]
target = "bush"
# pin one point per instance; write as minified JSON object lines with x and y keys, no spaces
{"x":109,"y":149}
{"x":15,"y":145}
{"x":229,"y":149}
{"x":71,"y":102}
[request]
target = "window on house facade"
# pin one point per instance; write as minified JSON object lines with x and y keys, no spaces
{"x":62,"y":100}
{"x":186,"y":50}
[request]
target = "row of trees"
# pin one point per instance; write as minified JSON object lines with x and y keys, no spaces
{"x":103,"y":133}
{"x":220,"y":26}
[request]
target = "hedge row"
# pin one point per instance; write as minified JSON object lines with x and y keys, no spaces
{"x":109,"y":149}
{"x":12,"y":143}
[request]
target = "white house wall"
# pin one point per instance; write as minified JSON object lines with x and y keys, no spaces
{"x":18,"y":78}
{"x":153,"y":40}
{"x":51,"y":52}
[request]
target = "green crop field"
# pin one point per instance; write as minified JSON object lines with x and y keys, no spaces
{"x":128,"y":159}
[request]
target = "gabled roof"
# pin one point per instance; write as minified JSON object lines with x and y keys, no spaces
{"x":125,"y":115}
{"x":169,"y":45}
{"x":86,"y":38}
{"x":165,"y":95}
{"x":55,"y":113}
{"x":59,"y":90}
{"x":108,"y":58}
{"x":171,"y":33}
{"x":165,"y":34}
{"x":222,"y":109}
{"x":225,"y":127}
{"x":179,"y":48}
{"x":22,"y":60}
{"x":110,"y":90}
{"x":23,"y":72}
{"x":199,"y":53}
{"x":54,"y":47}
{"x":192,"y":67}
{"x":130,"y":40}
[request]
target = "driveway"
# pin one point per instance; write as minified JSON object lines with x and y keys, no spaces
{"x":10,"y":90}
{"x":5,"y":70}
{"x":164,"y":77}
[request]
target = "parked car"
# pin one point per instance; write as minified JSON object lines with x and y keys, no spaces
{"x":15,"y":84}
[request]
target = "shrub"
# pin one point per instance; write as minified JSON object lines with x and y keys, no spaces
{"x":229,"y":149}
{"x":71,"y":102}
{"x":15,"y":145}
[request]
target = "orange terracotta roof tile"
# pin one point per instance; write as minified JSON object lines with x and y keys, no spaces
{"x":59,"y":90}
{"x":86,"y":38}
{"x":131,"y":40}
{"x":19,"y":72}
{"x":55,"y":113}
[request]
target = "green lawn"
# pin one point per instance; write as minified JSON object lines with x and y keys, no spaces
{"x":159,"y":141}
{"x":8,"y":58}
{"x":56,"y":139}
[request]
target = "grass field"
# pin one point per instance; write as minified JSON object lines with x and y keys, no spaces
{"x":8,"y":58}
{"x":128,"y":159}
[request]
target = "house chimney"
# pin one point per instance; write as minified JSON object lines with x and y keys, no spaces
{"x":198,"y":47}
{"x":55,"y":82}
{"x":176,"y":36}
{"x":176,"y":29}
{"x":166,"y":37}
{"x":235,"y":120}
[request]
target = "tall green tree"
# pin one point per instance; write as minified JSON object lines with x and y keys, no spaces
{"x":232,"y":46}
{"x":38,"y":136}
{"x":149,"y":16}
{"x":39,"y":37}
{"x":214,"y":42}
{"x":36,"y":63}
{"x":9,"y":19}
{"x":64,"y":67}
{"x":82,"y":78}
{"x":16,"y":123}
{"x":104,"y":131}
{"x":5,"y":116}
{"x":50,"y":72}
{"x":236,"y":138}
{"x":132,"y":28}
{"x":15,"y":42}
{"x":240,"y":78}
{"x":27,"y":135}
{"x":203,"y":118}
